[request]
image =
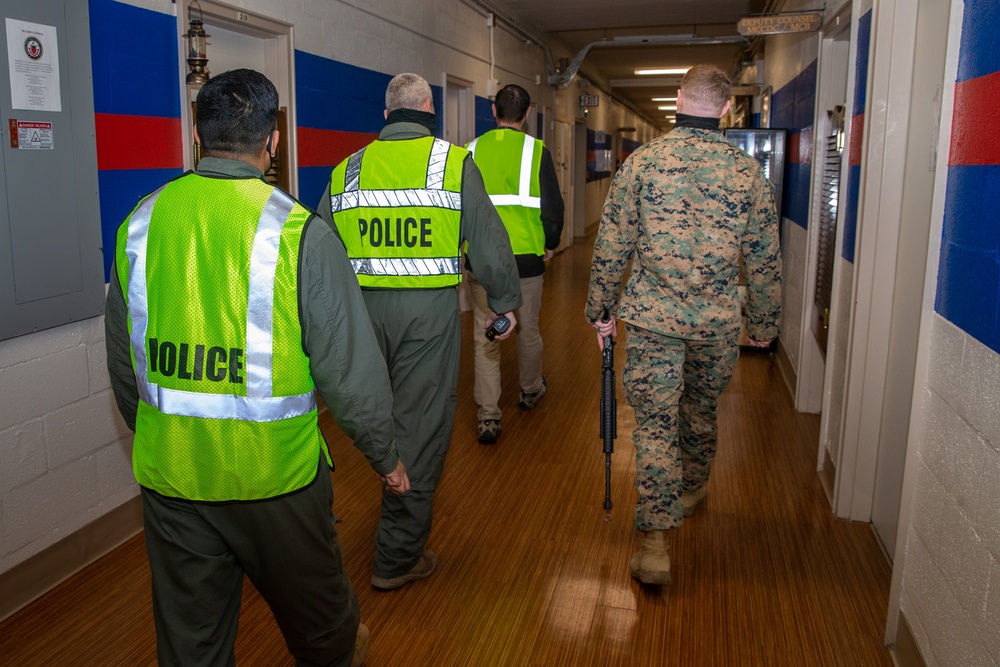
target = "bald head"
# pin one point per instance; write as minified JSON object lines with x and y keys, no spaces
{"x":408,"y":91}
{"x":705,"y":91}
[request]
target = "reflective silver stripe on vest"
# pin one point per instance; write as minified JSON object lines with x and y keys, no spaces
{"x":523,"y":198}
{"x":259,"y":405}
{"x":433,"y":196}
{"x":516,"y":200}
{"x":353,"y":170}
{"x":407,"y":266}
{"x":260,"y":299}
{"x":396,"y":198}
{"x":436,"y":164}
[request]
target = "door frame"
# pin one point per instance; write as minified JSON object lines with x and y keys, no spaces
{"x":279,"y":68}
{"x":466,"y":107}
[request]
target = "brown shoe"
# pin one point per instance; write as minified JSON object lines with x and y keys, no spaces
{"x":423,"y":569}
{"x":651,"y":564}
{"x":361,"y":646}
{"x":531,"y":401}
{"x":692,"y":499}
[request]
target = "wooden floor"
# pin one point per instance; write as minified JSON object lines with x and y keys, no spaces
{"x":530,"y":572}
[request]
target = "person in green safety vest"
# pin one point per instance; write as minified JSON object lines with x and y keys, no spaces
{"x":520,"y":178}
{"x":230,"y":306}
{"x":404,"y":205}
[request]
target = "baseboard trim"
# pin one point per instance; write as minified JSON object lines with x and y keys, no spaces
{"x":905,"y":652}
{"x":828,"y":475}
{"x":45,"y":570}
{"x":786,"y":368}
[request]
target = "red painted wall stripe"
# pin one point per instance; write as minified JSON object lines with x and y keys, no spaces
{"x":857,"y":136}
{"x":327,"y":148}
{"x":800,"y":147}
{"x":138,"y":142}
{"x":975,"y":128}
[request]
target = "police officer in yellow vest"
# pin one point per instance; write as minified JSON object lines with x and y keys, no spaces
{"x":404,"y":205}
{"x":520,"y":178}
{"x":229,"y":307}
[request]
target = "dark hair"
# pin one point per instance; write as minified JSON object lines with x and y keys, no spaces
{"x":512,"y":103}
{"x":236,"y":111}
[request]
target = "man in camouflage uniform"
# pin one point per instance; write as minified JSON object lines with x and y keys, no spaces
{"x":685,"y":208}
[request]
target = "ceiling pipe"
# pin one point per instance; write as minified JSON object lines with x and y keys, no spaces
{"x":565,"y":77}
{"x":512,"y":25}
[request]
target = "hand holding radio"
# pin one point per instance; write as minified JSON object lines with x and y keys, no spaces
{"x":500,"y":327}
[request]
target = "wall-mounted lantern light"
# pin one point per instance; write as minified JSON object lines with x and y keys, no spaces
{"x":197,"y":55}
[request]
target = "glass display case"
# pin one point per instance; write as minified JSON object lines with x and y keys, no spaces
{"x":767,"y":146}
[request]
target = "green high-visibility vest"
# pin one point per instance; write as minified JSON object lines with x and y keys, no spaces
{"x":508,"y":160}
{"x":227,"y":409}
{"x":398,"y":208}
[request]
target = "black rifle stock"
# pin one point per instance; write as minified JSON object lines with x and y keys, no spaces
{"x":609,"y":411}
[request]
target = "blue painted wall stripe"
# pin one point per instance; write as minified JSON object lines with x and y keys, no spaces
{"x":312,"y":184}
{"x":134,"y":53}
{"x":484,"y":116}
{"x":851,"y":214}
{"x":980,"y":51}
{"x":968,"y":291}
{"x":847,"y":247}
{"x":861,"y":61}
{"x":331,"y":95}
{"x":795,"y":199}
{"x":793,"y":107}
{"x":120,"y":192}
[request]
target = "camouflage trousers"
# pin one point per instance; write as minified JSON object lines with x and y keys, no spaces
{"x":673,"y":385}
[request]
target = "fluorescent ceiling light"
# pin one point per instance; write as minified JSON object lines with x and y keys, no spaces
{"x":671,"y":118}
{"x":664,"y":99}
{"x":661,"y":72}
{"x":668,"y":107}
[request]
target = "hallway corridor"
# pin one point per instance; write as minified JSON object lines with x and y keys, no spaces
{"x":530,"y":573}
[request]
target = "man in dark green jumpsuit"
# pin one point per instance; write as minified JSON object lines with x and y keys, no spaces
{"x":230,"y":306}
{"x":404,"y":206}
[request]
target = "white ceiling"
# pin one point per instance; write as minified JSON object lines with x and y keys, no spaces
{"x":692,"y":23}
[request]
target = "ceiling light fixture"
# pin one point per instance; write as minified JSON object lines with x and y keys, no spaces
{"x":662,"y":72}
{"x":664,"y":99}
{"x":668,"y":107}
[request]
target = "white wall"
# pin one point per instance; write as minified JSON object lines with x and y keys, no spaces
{"x":951,"y":580}
{"x":64,"y":451}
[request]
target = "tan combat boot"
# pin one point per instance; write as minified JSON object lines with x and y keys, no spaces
{"x":690,"y":500}
{"x":361,"y":646}
{"x":651,"y":564}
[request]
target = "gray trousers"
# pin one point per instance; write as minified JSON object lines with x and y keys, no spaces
{"x":419,"y":333}
{"x":287,"y":546}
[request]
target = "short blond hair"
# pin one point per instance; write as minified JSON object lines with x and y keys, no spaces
{"x":407,"y":91}
{"x":707,"y":86}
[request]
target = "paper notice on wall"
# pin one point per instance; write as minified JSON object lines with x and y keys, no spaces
{"x":33,"y":59}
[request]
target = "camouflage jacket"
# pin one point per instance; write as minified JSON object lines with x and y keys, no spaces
{"x":687,"y":209}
